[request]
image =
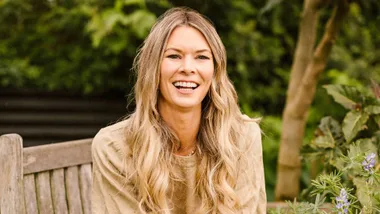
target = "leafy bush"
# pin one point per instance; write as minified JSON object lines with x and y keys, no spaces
{"x":349,"y":152}
{"x":52,"y":45}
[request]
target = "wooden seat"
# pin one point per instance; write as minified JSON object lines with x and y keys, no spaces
{"x":47,"y":179}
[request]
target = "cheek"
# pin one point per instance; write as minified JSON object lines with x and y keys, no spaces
{"x":167,"y":70}
{"x":208,"y":73}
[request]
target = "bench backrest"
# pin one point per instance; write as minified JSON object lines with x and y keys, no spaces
{"x":47,"y":179}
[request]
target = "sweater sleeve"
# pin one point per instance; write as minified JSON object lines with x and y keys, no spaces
{"x":111,"y":192}
{"x":251,"y":181}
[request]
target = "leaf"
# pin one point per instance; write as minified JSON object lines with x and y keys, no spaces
{"x":372,"y":109}
{"x":353,"y":123}
{"x":349,"y":97}
{"x":362,"y":191}
{"x":141,"y":22}
{"x":330,"y":133}
{"x":352,"y":162}
{"x":367,"y":145}
{"x":270,"y":5}
{"x":365,"y":191}
{"x":110,"y":18}
{"x":377,"y":119}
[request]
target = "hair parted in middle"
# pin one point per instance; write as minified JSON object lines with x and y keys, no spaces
{"x":150,"y":142}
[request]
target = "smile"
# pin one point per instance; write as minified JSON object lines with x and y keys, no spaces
{"x":181,"y":85}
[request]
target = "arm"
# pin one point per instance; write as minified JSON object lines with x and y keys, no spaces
{"x":111,"y":192}
{"x":251,"y":183}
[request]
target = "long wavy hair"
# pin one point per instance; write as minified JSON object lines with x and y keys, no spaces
{"x":151,"y":142}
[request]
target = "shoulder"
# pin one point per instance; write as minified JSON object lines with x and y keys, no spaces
{"x":251,"y":126}
{"x":252,"y":134}
{"x":110,"y":140}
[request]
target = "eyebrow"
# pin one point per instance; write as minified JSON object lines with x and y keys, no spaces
{"x":197,"y":51}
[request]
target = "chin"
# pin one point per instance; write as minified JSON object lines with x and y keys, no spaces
{"x":187,"y":104}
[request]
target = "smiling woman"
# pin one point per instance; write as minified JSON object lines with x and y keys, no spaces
{"x":187,"y":148}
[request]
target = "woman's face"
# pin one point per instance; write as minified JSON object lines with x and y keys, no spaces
{"x":187,"y":69}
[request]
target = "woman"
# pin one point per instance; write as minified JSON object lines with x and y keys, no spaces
{"x":187,"y":148}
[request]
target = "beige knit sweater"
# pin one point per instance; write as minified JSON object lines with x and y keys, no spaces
{"x":112,"y":194}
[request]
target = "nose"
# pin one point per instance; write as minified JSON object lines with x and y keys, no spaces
{"x":188,"y":65}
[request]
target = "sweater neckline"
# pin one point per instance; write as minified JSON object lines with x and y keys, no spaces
{"x":185,"y":161}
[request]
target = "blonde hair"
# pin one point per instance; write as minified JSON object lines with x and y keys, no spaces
{"x":151,"y":142}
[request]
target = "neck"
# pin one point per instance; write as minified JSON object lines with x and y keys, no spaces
{"x":185,"y":124}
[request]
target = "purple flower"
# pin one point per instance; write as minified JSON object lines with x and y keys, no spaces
{"x":369,"y":162}
{"x":342,"y":202}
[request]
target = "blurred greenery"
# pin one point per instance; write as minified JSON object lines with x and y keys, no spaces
{"x":346,"y":147}
{"x":88,"y":46}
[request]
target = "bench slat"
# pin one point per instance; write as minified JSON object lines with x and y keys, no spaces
{"x":45,"y":204}
{"x":11,"y":178}
{"x":55,"y":156}
{"x":72,"y":188}
{"x":58,"y":191}
{"x":85,"y":181}
{"x":30,"y":194}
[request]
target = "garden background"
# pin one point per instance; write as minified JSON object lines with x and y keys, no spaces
{"x":87,"y":47}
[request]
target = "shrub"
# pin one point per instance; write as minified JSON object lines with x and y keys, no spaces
{"x":348,"y":151}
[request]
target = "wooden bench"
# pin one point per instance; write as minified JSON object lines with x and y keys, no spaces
{"x":54,"y":178}
{"x":47,"y":179}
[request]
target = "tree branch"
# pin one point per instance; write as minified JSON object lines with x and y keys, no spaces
{"x":297,"y":104}
{"x":307,"y":88}
{"x":305,"y":44}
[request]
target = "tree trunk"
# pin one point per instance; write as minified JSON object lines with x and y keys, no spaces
{"x":306,"y":68}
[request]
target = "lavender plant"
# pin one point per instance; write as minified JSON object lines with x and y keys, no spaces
{"x":348,"y":151}
{"x":342,"y":203}
{"x":369,"y":163}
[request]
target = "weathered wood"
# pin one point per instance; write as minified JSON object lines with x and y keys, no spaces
{"x":55,"y":156}
{"x":11,"y":174}
{"x":45,"y":204}
{"x":72,"y":190}
{"x":58,"y":191}
{"x":85,"y":181}
{"x":30,"y":195}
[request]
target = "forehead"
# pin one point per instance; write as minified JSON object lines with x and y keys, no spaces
{"x":187,"y":37}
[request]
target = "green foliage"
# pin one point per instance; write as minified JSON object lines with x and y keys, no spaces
{"x":259,"y":76}
{"x":353,"y":123}
{"x":89,"y":46}
{"x":302,"y":207}
{"x":362,"y":198}
{"x":348,"y":147}
{"x":356,"y":53}
{"x":344,"y":95}
{"x":84,"y":46}
{"x":113,"y":20}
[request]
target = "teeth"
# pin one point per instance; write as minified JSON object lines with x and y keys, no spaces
{"x":185,"y":84}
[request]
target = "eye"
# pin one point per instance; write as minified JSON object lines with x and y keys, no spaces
{"x":174,"y":56}
{"x":203,"y":57}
